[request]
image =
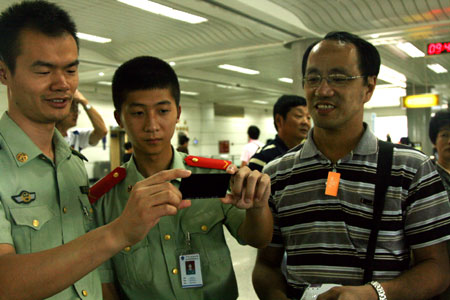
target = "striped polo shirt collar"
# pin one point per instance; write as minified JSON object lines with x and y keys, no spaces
{"x":367,"y":145}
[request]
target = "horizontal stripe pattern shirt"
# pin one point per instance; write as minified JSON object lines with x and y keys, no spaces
{"x":326,"y":237}
{"x":269,"y":152}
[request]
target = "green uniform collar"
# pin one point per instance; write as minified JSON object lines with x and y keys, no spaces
{"x":178,"y":160}
{"x":26,"y":150}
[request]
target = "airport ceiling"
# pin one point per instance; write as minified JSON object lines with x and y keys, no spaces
{"x":254,"y":34}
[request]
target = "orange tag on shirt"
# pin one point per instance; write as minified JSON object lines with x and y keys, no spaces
{"x":332,"y":183}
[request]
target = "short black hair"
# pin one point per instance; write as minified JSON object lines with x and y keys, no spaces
{"x":284,"y":104}
{"x":405,"y":141}
{"x":143,"y":73}
{"x":253,"y":132}
{"x":41,"y":16}
{"x":182,"y":139}
{"x":440,"y":119}
{"x":127,"y":145}
{"x":368,"y":56}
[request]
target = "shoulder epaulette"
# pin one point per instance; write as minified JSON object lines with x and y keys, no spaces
{"x":77,"y":153}
{"x":209,"y":163}
{"x":106,"y":184}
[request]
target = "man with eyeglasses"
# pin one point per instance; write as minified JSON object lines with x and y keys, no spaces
{"x":323,"y":196}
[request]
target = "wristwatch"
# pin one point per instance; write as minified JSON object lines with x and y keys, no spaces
{"x":379,"y":289}
{"x":87,"y":107}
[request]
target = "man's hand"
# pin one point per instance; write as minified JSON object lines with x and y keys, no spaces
{"x":94,"y":116}
{"x":150,"y":199}
{"x":79,"y":98}
{"x":249,"y":189}
{"x":363,"y":292}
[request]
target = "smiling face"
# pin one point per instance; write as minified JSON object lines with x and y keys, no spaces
{"x":149,"y":118}
{"x":337,"y":108}
{"x":294,"y":129}
{"x":41,"y":88}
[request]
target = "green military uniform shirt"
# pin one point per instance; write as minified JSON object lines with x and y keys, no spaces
{"x":150,"y":269}
{"x":44,"y":204}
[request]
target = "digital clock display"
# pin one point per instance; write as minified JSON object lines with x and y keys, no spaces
{"x":438,"y":48}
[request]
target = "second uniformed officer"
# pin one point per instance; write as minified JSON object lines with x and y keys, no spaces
{"x":184,"y":256}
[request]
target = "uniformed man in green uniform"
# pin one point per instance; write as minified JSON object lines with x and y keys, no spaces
{"x":167,"y":262}
{"x":47,"y":247}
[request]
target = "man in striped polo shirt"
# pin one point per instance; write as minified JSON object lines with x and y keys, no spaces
{"x":325,"y":234}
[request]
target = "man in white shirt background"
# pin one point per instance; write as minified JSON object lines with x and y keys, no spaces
{"x":80,"y":138}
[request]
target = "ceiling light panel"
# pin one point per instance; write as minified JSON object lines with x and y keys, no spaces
{"x":166,"y":11}
{"x":392,"y":76}
{"x":239,"y":69}
{"x":108,"y":83}
{"x":410,"y":49}
{"x":189,"y":93}
{"x":285,"y":79}
{"x":260,"y":102}
{"x":93,"y":38}
{"x":437,"y":68}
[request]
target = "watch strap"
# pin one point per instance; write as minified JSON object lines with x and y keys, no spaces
{"x":379,"y":289}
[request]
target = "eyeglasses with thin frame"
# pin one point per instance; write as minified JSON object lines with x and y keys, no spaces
{"x":333,"y":80}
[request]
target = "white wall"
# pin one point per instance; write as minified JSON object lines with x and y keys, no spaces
{"x":209,"y":129}
{"x":384,"y":120}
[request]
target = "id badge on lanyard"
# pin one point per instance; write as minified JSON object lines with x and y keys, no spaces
{"x":190,"y":267}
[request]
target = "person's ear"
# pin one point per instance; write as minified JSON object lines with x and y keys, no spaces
{"x":178,"y":113}
{"x":3,"y":72}
{"x":278,"y":120}
{"x":117,"y":117}
{"x":371,"y":83}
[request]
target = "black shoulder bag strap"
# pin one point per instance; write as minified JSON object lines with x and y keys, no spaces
{"x":384,"y":165}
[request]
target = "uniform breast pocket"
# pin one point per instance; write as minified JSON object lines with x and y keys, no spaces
{"x":88,"y":213}
{"x":133,"y":265}
{"x":33,"y":229}
{"x":207,"y":237}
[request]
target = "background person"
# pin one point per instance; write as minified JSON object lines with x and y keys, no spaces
{"x":325,"y":231}
{"x":292,"y":122}
{"x":128,"y":152}
{"x":439,"y":133}
{"x":253,"y":145}
{"x":183,"y":143}
{"x":405,"y":141}
{"x":80,"y":138}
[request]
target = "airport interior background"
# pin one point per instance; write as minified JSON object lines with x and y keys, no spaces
{"x":234,"y":58}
